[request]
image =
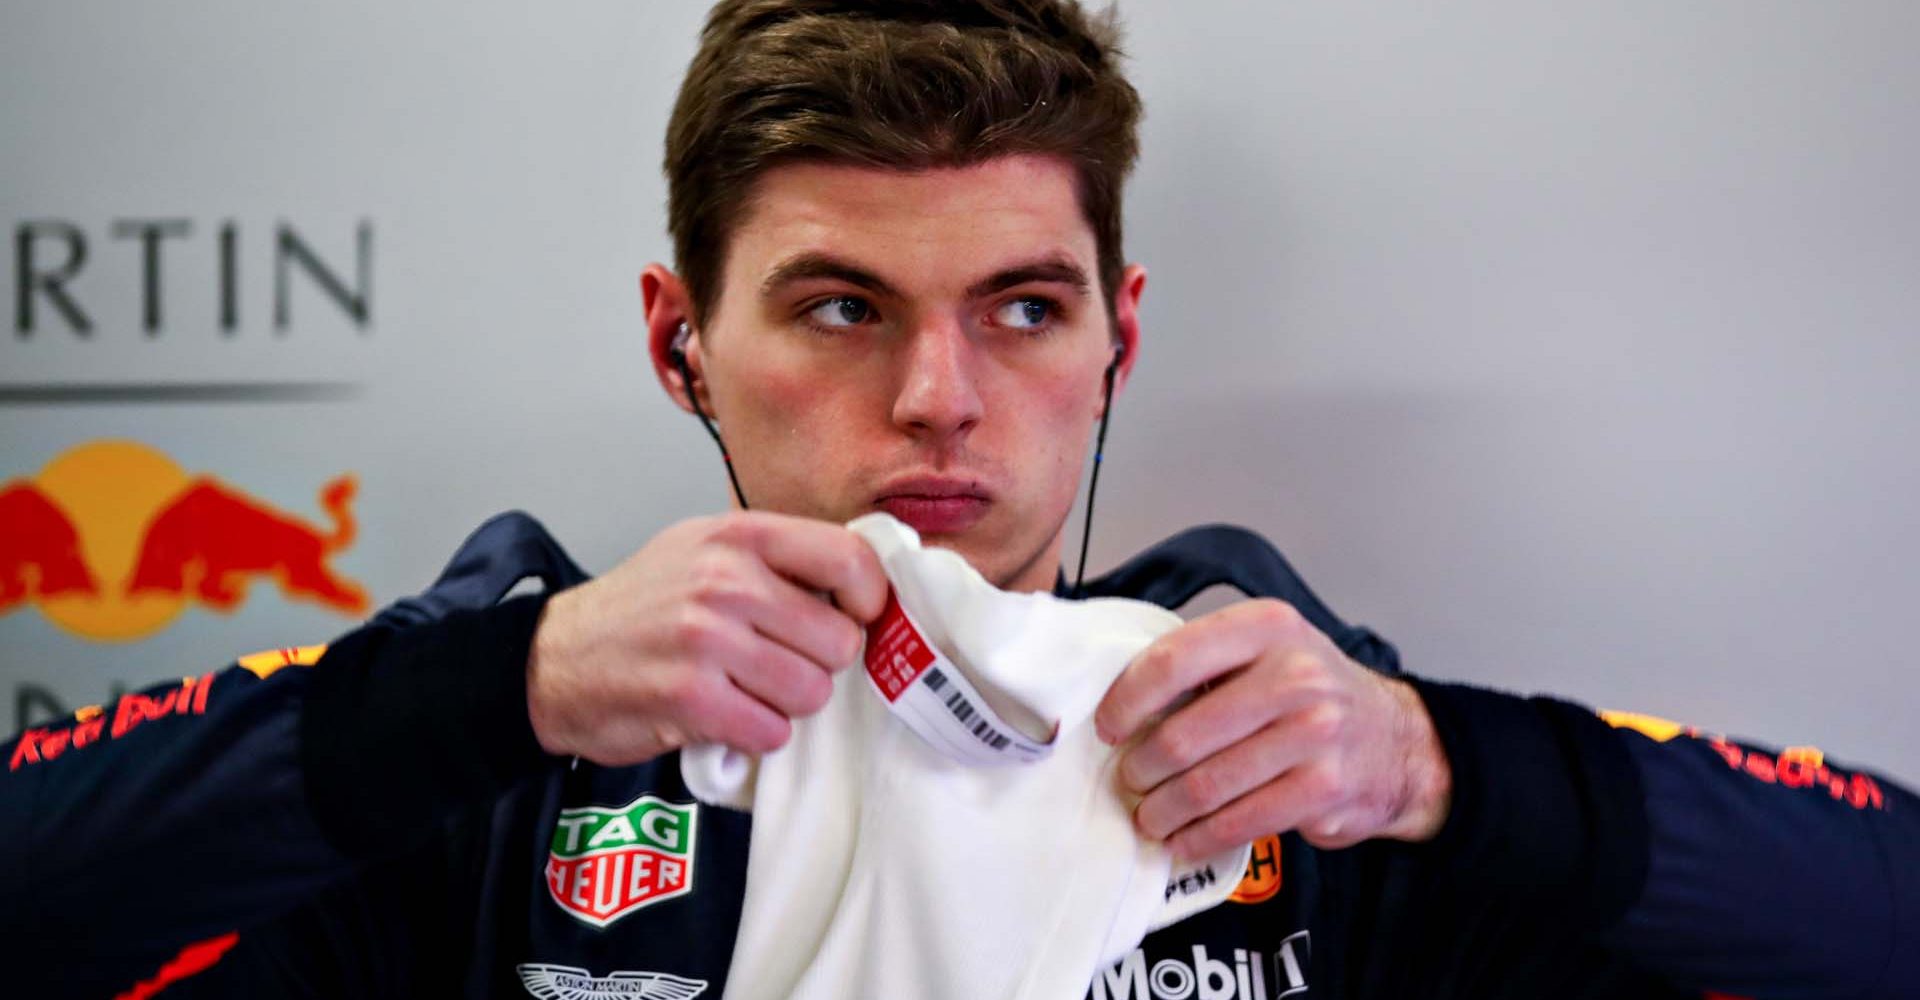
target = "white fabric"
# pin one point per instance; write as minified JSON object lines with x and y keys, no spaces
{"x":880,"y":867}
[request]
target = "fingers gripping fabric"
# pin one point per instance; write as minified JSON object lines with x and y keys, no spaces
{"x":894,"y":857}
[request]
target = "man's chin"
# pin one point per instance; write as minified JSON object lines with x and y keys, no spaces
{"x":1002,"y":560}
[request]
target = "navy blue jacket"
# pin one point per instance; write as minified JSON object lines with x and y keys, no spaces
{"x":374,"y":818}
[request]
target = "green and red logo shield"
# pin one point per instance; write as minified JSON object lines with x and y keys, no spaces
{"x":605,"y":863}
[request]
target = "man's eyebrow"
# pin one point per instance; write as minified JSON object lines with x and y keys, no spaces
{"x":1058,"y":270}
{"x":808,"y":266}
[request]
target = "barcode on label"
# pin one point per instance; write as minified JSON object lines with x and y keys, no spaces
{"x":958,"y":705}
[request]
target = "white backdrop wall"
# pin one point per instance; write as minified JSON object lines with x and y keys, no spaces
{"x":1572,"y":346}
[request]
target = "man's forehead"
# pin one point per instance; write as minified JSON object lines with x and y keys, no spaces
{"x":960,"y":221}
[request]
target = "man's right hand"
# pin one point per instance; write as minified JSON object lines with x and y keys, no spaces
{"x":712,"y":633}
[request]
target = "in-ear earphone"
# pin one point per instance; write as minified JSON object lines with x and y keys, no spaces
{"x":677,"y":353}
{"x":1093,"y":479}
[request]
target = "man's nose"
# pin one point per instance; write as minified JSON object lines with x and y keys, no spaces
{"x":939,"y":396}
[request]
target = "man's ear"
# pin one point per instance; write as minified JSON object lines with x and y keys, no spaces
{"x":663,"y":296}
{"x":1126,"y":322}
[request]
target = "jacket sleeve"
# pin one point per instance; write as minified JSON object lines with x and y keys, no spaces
{"x":203,"y":805}
{"x":1717,"y":865}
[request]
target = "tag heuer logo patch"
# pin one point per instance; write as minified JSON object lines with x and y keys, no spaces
{"x":606,"y":863}
{"x":564,"y":982}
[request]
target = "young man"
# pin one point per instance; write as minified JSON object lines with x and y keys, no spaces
{"x":900,"y":288}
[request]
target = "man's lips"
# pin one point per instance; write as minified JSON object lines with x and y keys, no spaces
{"x":935,"y":506}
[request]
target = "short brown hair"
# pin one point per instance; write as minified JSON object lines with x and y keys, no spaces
{"x":904,"y":84}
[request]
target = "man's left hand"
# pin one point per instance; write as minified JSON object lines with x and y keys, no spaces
{"x":1283,"y":732}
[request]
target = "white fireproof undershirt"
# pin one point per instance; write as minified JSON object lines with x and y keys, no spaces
{"x":882,"y":864}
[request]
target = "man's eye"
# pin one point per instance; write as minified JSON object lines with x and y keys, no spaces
{"x":841,"y":310}
{"x":1024,"y":314}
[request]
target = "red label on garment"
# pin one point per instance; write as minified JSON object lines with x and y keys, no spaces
{"x":896,"y":652}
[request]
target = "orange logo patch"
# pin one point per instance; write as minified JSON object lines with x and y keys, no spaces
{"x":1262,"y":880}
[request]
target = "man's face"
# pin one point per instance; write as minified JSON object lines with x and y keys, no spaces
{"x":930,"y":344}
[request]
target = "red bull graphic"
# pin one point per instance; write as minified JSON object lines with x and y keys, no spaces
{"x":265,"y":664}
{"x":112,"y":540}
{"x":93,"y":724}
{"x":1802,"y":767}
{"x":211,"y":539}
{"x":192,"y":960}
{"x":39,"y":550}
{"x":1794,"y":767}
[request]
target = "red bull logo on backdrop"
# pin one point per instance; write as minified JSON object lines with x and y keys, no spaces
{"x":112,"y":540}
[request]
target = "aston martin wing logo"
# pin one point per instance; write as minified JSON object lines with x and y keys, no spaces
{"x":564,"y":982}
